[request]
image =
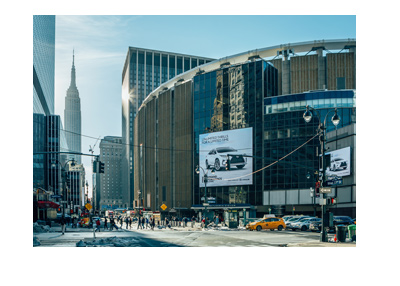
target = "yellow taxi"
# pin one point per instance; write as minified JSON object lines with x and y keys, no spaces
{"x":271,"y":223}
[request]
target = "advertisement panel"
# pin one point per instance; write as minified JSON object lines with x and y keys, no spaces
{"x":214,"y":150}
{"x":340,"y":163}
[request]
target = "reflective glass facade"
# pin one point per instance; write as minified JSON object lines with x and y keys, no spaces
{"x":232,"y":98}
{"x":43,"y":63}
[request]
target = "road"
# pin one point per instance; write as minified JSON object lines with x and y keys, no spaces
{"x":178,"y":238}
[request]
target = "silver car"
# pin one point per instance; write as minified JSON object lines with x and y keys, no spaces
{"x":338,"y":164}
{"x":304,"y":224}
{"x":218,"y":158}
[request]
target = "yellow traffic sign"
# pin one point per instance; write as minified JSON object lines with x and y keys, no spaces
{"x":163,"y":207}
{"x":88,"y":206}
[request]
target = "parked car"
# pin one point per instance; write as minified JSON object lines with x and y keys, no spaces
{"x":337,"y":220}
{"x":271,"y":223}
{"x":304,"y":224}
{"x":345,"y":220}
{"x":315,"y":225}
{"x":291,"y":221}
{"x":338,"y":164}
{"x":218,"y":157}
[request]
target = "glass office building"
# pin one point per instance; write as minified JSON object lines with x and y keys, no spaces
{"x":44,"y":34}
{"x":145,"y":70}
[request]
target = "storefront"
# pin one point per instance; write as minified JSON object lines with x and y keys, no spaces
{"x":232,"y":215}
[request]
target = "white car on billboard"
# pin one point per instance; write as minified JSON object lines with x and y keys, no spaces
{"x":217,"y":158}
{"x":338,"y":164}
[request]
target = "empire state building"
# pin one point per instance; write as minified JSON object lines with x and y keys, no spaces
{"x":72,"y":116}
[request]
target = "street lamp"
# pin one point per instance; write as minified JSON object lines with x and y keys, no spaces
{"x":322,"y":129}
{"x":63,"y":176}
{"x":205,"y":189}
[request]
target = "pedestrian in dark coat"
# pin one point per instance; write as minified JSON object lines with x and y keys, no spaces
{"x":105,"y":223}
{"x":130,"y":222}
{"x":63,"y":226}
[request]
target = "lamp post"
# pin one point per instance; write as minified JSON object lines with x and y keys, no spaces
{"x":322,"y":129}
{"x":63,"y":176}
{"x":205,"y":189}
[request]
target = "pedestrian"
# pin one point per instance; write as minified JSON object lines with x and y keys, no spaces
{"x":222,"y":221}
{"x":147,"y":222}
{"x":138,"y":223}
{"x":62,"y":222}
{"x":216,"y":220}
{"x":73,"y":223}
{"x":127,"y":222}
{"x":152,"y":223}
{"x":203,"y":222}
{"x":97,"y":225}
{"x":112,"y":224}
{"x":167,"y":222}
{"x":143,"y":220}
{"x":193,"y":221}
{"x":130,"y":222}
{"x":105,"y":223}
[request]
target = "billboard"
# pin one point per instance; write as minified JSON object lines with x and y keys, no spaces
{"x":215,"y":150}
{"x":340,"y":164}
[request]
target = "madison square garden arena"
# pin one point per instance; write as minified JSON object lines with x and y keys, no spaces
{"x":230,"y":136}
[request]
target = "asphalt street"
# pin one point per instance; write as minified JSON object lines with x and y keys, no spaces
{"x":181,"y":237}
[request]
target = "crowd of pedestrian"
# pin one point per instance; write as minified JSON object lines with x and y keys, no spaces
{"x":143,"y":222}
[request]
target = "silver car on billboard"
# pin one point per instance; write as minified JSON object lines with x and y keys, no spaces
{"x":217,"y":158}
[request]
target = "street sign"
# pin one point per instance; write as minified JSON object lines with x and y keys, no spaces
{"x":63,"y":202}
{"x":55,"y":196}
{"x":88,"y":206}
{"x":163,"y":207}
{"x":334,"y":180}
{"x":206,"y":205}
{"x":325,"y":190}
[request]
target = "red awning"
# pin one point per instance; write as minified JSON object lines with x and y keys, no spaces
{"x":47,"y":204}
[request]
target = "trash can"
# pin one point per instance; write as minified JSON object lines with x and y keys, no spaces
{"x":341,"y":233}
{"x":352,"y":232}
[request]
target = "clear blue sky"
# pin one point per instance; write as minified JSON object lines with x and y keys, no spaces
{"x":101,"y":44}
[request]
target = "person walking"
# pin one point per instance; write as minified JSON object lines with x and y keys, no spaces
{"x":153,"y":223}
{"x":147,"y":222}
{"x":97,"y":225}
{"x":105,"y":223}
{"x":193,"y":221}
{"x":127,"y":222}
{"x":130,"y":222}
{"x":62,"y":222}
{"x":143,"y":220}
{"x":216,"y":220}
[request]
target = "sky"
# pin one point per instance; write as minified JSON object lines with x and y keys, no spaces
{"x":100,"y":44}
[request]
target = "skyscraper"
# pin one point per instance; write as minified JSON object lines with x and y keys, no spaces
{"x":44,"y":34}
{"x":145,"y":70}
{"x":44,"y":37}
{"x":72,"y":116}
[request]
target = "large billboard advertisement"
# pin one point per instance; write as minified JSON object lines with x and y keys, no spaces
{"x":340,"y":164}
{"x":215,"y":150}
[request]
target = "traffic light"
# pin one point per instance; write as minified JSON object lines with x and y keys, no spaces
{"x":101,"y":167}
{"x":228,"y":164}
{"x":331,"y":201}
{"x":317,"y":186}
{"x":95,"y":166}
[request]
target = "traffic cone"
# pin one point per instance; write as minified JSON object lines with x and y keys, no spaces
{"x":335,"y":239}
